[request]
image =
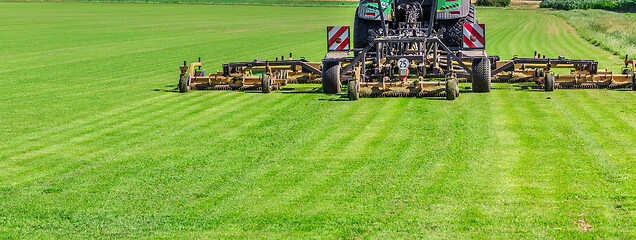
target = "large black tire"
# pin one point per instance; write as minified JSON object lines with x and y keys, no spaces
{"x":481,"y":75}
{"x":453,"y":36}
{"x":548,"y":82}
{"x":361,"y":29}
{"x":452,"y":91}
{"x":266,"y":83}
{"x":184,"y":83}
{"x":633,"y":82}
{"x":352,"y":90}
{"x":331,"y":77}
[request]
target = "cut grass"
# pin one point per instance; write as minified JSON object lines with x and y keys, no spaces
{"x":617,"y":5}
{"x":537,"y":31}
{"x":97,"y":144}
{"x":610,"y":30}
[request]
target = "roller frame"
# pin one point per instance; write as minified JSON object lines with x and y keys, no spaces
{"x":239,"y":75}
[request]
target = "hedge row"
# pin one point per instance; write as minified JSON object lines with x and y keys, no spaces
{"x":493,"y":3}
{"x":624,"y":5}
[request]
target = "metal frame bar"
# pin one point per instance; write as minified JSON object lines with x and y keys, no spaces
{"x":303,"y":64}
{"x":429,"y":42}
{"x":548,"y":63}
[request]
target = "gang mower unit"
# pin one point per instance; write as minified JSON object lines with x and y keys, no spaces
{"x":407,"y":48}
{"x":261,"y":75}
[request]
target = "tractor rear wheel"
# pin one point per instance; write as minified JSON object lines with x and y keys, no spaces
{"x":452,"y":91}
{"x":184,"y":83}
{"x":331,"y":77}
{"x":481,"y":75}
{"x":361,"y":29}
{"x":634,"y":82}
{"x":352,"y":90}
{"x":548,"y":82}
{"x":454,"y":33}
{"x":266,"y":83}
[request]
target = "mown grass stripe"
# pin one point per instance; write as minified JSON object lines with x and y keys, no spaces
{"x":91,"y":135}
{"x":314,"y":142}
{"x":112,"y":121}
{"x":587,"y":164}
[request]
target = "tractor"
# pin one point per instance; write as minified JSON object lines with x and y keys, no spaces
{"x":402,"y":46}
{"x":451,"y":15}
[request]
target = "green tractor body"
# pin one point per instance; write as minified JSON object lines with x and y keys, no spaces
{"x":449,"y":17}
{"x":369,"y":10}
{"x":443,"y":5}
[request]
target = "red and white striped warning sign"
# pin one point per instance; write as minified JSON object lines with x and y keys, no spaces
{"x":338,"y":38}
{"x":474,"y":35}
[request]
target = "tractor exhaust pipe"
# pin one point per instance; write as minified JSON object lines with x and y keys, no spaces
{"x":431,"y":19}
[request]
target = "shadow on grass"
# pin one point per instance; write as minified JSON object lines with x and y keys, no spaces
{"x":526,"y":87}
{"x":340,"y":99}
{"x":437,"y":98}
{"x":168,"y":88}
{"x":303,"y":91}
{"x":532,"y":87}
{"x":465,"y":90}
{"x":622,"y":89}
{"x":517,"y":86}
{"x":299,"y":88}
{"x":174,"y":90}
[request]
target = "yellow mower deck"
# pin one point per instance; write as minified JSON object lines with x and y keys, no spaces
{"x":257,"y":75}
{"x":578,"y":77}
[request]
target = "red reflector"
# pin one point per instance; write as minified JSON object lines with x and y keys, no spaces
{"x":370,"y":14}
{"x":456,"y":12}
{"x":338,"y":40}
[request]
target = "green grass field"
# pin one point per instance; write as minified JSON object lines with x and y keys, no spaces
{"x":96,"y":144}
{"x":610,"y":30}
